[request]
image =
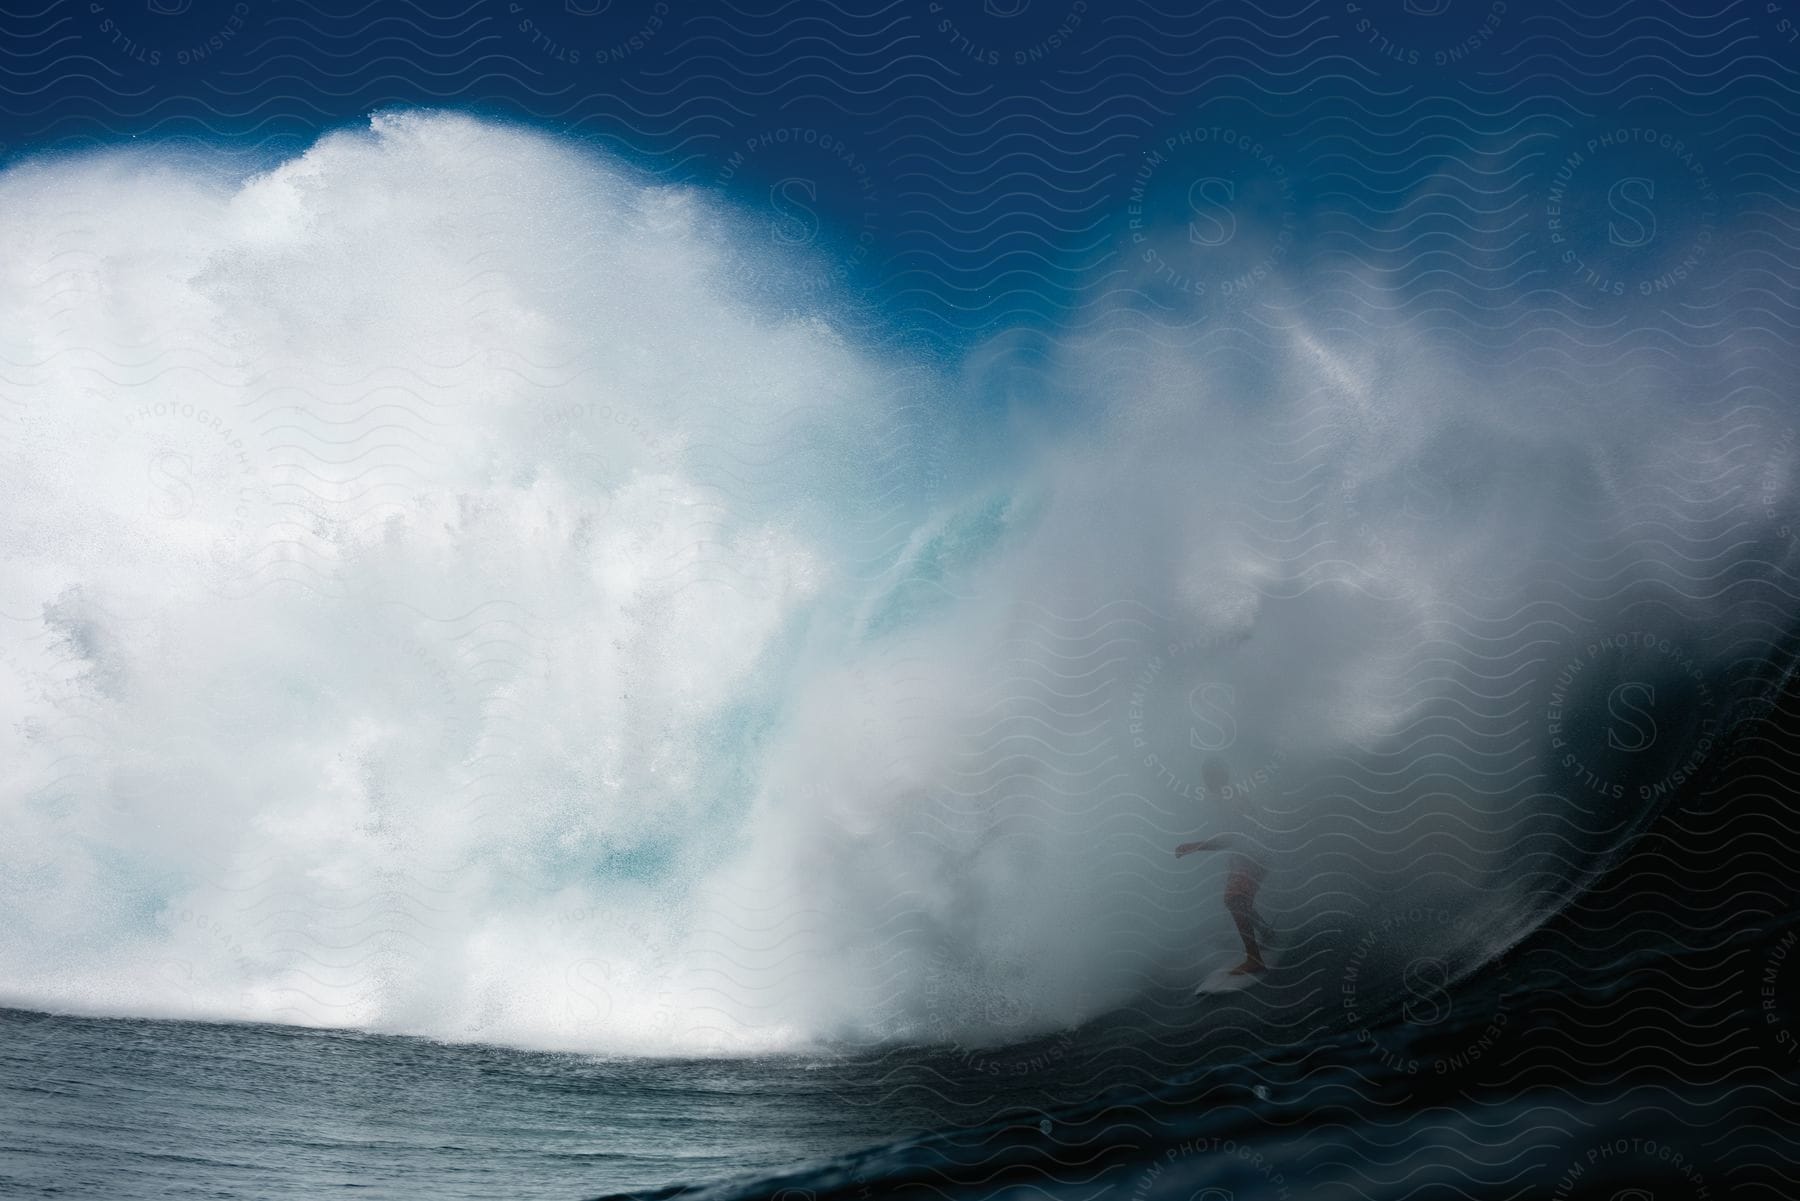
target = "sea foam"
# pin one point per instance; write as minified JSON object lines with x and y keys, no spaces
{"x":456,"y":584}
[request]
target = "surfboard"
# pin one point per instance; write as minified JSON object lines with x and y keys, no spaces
{"x":1223,"y":981}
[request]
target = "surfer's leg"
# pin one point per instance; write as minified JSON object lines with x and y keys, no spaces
{"x":1240,"y":902}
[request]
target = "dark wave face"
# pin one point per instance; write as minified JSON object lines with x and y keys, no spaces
{"x":691,"y":630}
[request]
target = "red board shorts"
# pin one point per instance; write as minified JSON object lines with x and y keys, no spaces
{"x":1241,"y":885}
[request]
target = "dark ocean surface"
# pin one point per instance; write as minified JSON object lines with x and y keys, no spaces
{"x":125,"y":1108}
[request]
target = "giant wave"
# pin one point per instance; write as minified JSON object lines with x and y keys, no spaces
{"x":459,"y":585}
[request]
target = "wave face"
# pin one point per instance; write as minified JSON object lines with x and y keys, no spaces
{"x":458,"y":587}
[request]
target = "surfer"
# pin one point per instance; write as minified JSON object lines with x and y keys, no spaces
{"x":1244,"y":878}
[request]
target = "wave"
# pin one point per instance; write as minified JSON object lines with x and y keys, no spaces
{"x":461,"y":587}
{"x":1510,"y":1077}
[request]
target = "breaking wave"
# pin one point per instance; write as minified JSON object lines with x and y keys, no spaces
{"x":457,"y":586}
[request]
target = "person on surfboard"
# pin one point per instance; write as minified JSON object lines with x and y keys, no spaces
{"x":1244,"y":877}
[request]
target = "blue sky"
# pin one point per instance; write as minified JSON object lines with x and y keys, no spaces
{"x":988,"y":165}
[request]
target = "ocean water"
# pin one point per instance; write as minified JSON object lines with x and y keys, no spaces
{"x":1643,"y":1038}
{"x":1629,"y":1048}
{"x":132,"y":1108}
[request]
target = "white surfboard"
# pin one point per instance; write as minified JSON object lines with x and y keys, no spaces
{"x":1223,"y":980}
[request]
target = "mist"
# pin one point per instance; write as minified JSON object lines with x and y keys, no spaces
{"x":456,"y":585}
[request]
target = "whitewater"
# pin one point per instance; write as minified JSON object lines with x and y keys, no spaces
{"x":456,"y":584}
